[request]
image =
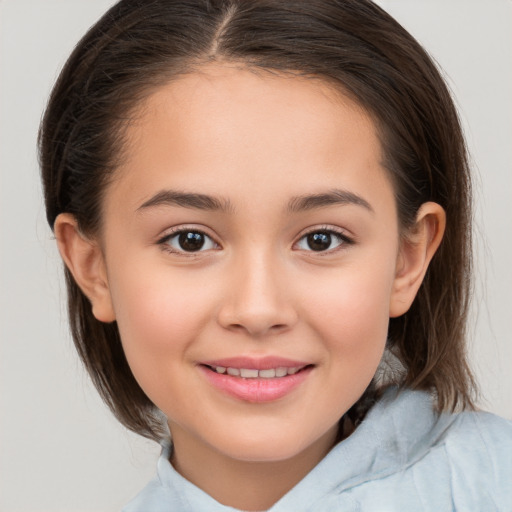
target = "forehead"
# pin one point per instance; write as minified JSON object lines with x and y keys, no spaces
{"x":217,"y":98}
{"x":223,"y":127}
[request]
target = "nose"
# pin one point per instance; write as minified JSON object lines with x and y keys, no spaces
{"x":258,"y":299}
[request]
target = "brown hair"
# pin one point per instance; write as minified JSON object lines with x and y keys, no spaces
{"x":140,"y":44}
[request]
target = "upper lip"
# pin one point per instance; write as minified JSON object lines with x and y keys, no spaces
{"x":256,"y":363}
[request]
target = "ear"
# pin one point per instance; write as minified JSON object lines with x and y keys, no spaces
{"x":417,"y":248}
{"x":84,"y":259}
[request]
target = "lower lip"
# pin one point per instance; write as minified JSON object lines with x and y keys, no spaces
{"x":257,"y":390}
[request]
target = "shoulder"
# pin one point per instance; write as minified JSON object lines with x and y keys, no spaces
{"x":478,"y":450}
{"x":492,"y":433}
{"x":467,"y":456}
{"x":422,"y":460}
{"x":481,"y":438}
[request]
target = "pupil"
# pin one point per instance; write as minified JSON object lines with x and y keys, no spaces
{"x":319,"y":241}
{"x":191,"y":241}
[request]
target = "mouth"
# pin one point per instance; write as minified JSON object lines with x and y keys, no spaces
{"x":254,"y":373}
{"x":256,"y":380}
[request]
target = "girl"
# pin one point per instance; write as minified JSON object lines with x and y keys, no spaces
{"x":264,"y":211}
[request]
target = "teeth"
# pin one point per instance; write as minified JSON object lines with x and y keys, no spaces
{"x":251,"y":373}
{"x":248,"y":374}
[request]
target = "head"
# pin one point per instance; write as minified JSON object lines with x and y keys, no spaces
{"x":349,"y":50}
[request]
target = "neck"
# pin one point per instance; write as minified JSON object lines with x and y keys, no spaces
{"x":246,"y":485}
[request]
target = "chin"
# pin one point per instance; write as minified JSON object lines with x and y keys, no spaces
{"x":269,"y":447}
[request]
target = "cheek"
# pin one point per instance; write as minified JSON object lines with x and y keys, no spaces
{"x":357,"y":297}
{"x":352,"y":316}
{"x":158,"y":318}
{"x":351,"y":310}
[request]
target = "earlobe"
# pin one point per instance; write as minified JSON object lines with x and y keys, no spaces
{"x":417,"y":249}
{"x":84,"y":259}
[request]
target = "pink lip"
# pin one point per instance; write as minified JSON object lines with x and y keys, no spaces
{"x":255,"y":390}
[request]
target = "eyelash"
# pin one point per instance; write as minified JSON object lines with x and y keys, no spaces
{"x":343,"y":239}
{"x":164,"y":241}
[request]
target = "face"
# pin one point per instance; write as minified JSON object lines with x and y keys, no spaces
{"x":251,"y":245}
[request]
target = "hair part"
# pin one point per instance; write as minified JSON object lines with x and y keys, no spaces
{"x":138,"y":46}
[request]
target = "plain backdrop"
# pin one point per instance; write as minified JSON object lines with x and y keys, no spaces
{"x":60,"y":449}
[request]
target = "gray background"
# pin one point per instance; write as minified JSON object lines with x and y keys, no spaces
{"x":60,"y":450}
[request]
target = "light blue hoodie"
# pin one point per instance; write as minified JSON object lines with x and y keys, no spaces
{"x":402,"y":458}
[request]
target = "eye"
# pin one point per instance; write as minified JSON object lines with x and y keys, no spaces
{"x":322,"y":240}
{"x":188,"y":240}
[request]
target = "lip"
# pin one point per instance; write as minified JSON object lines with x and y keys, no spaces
{"x":256,"y":390}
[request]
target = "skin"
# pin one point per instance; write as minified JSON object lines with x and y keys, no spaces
{"x":255,"y":142}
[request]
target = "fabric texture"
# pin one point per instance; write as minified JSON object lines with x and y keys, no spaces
{"x":403,"y":457}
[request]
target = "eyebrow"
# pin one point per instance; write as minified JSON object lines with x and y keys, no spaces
{"x":330,"y":198}
{"x":187,"y":200}
{"x":295,"y":205}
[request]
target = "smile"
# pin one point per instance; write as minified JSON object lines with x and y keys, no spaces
{"x":253,"y":373}
{"x":256,"y":380}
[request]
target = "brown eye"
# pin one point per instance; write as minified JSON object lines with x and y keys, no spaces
{"x":189,"y":241}
{"x":321,"y":241}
